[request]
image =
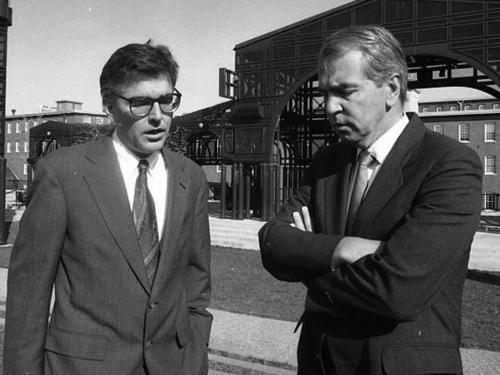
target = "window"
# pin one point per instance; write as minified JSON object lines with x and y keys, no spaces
{"x":489,"y":132}
{"x":490,"y":164}
{"x":8,"y":147}
{"x":438,"y":128}
{"x":17,"y":147}
{"x":467,"y":107}
{"x":463,"y":132}
{"x":26,"y":126}
{"x":18,"y":127}
{"x":496,"y":106}
{"x":439,"y":109}
{"x":9,"y":128}
{"x":453,"y":108}
{"x":99,"y":120}
{"x":481,"y":106}
{"x":425,"y":109}
{"x":35,"y":122}
{"x":26,"y":147}
{"x":25,"y":169}
{"x":86,"y":119}
{"x":489,"y":201}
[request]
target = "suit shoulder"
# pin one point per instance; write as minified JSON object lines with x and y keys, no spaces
{"x":334,"y":152}
{"x":188,"y":165}
{"x":66,"y":155}
{"x":445,"y":145}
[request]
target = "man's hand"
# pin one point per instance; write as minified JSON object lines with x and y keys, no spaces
{"x":302,"y":221}
{"x":350,"y":249}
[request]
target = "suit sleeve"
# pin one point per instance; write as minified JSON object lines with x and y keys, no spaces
{"x":32,"y":269}
{"x":199,"y":279}
{"x":428,"y":248}
{"x":291,"y":254}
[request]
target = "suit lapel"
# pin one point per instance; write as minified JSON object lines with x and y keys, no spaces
{"x":106,"y":184}
{"x":336,"y":194}
{"x":174,"y":214}
{"x":391,"y":175}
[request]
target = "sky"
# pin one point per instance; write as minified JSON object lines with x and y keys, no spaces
{"x":57,"y":48}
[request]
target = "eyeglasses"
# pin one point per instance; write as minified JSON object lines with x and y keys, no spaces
{"x":141,"y":106}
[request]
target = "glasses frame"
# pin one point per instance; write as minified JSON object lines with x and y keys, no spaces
{"x":176,"y":94}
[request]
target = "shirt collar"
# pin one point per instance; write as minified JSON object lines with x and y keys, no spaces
{"x":128,"y":160}
{"x":383,"y":145}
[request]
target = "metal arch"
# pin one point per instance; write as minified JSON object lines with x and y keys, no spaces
{"x":448,"y":60}
{"x":278,"y":110}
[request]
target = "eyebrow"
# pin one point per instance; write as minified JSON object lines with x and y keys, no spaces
{"x":337,"y":87}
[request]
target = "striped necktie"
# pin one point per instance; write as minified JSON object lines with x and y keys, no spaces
{"x":145,"y":221}
{"x":365,"y":162}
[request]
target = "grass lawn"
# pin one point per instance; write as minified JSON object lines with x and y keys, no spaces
{"x":240,"y":284}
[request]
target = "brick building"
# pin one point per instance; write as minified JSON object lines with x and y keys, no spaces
{"x":475,"y":123}
{"x":17,"y":128}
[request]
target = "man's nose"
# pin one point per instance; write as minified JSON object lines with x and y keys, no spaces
{"x":332,"y":105}
{"x":155,"y":113}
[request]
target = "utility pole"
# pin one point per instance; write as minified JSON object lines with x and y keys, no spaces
{"x":5,"y":22}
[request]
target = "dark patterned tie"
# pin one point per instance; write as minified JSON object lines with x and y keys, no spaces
{"x":365,"y":162}
{"x":145,"y":221}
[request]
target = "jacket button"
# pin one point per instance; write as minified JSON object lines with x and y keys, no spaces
{"x":149,"y":344}
{"x":152,"y":305}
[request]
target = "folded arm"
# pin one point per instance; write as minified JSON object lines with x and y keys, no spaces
{"x":407,"y":264}
{"x":348,"y":250}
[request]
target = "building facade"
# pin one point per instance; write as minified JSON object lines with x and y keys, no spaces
{"x":17,"y":127}
{"x":475,"y":123}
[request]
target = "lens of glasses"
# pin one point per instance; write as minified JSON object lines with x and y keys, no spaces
{"x":142,"y":106}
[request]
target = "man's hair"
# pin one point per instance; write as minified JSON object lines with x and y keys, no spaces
{"x":382,"y":54}
{"x":136,"y":62}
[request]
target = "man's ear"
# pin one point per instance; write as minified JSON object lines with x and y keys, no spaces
{"x":108,"y":109}
{"x":393,"y":90}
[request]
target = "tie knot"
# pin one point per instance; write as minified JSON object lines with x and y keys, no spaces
{"x":365,"y":158}
{"x":143,"y":165}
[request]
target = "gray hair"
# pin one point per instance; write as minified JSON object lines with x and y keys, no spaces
{"x":382,"y":53}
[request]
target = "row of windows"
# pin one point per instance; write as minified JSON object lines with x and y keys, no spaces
{"x":17,"y":147}
{"x":20,"y":126}
{"x":464,"y":132}
{"x":454,"y":107}
{"x":25,"y":125}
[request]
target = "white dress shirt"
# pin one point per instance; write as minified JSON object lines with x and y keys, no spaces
{"x":379,"y":151}
{"x":157,"y":178}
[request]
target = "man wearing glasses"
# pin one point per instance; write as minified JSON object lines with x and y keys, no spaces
{"x":119,"y":227}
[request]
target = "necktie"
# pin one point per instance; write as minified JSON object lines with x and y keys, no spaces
{"x":145,"y":221}
{"x":365,"y":161}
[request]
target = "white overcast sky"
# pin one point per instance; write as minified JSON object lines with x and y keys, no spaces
{"x":56,"y":48}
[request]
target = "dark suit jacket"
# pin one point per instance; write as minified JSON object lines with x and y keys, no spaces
{"x":401,"y":305}
{"x":78,"y":233}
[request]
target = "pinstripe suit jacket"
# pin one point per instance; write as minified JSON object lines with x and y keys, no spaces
{"x":77,"y":234}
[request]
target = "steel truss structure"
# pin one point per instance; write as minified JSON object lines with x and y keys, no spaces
{"x":276,"y":118}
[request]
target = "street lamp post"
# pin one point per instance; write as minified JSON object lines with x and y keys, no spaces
{"x":5,"y":22}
